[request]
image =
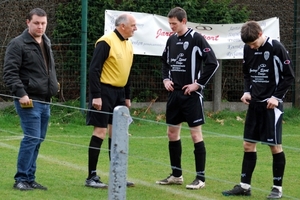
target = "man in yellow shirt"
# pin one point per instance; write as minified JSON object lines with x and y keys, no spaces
{"x":109,"y":86}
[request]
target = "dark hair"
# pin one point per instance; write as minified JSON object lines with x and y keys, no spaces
{"x":36,"y":11}
{"x":177,"y":12}
{"x":250,"y":31}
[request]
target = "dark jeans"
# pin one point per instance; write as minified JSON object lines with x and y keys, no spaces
{"x":34,"y":122}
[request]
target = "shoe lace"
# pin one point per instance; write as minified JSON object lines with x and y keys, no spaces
{"x":195,"y":182}
{"x":275,"y":190}
{"x":96,"y":178}
{"x":26,"y":184}
{"x":37,"y":184}
{"x":168,"y":177}
{"x":238,"y":188}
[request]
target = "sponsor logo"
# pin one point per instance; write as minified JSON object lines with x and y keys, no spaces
{"x":259,"y":69}
{"x":160,"y":32}
{"x":287,"y":62}
{"x":179,"y":59}
{"x":206,"y":50}
{"x":277,"y":178}
{"x":197,"y":120}
{"x":203,"y":28}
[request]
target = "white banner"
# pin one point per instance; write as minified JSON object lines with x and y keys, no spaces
{"x":154,"y":30}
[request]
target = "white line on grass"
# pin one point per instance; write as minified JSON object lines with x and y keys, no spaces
{"x":140,"y":182}
{"x":186,"y":193}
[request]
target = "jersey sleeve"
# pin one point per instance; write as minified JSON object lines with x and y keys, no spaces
{"x":210,"y":61}
{"x":100,"y":54}
{"x":165,"y":63}
{"x":247,"y":78}
{"x":286,"y":72}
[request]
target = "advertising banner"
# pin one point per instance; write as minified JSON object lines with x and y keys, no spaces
{"x":154,"y":30}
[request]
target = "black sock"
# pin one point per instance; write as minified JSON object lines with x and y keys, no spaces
{"x":200,"y":159}
{"x":175,"y":151}
{"x":93,"y":154}
{"x":278,"y":168}
{"x":249,"y":162}
{"x":109,"y":147}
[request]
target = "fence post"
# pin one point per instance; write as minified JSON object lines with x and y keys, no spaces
{"x":217,"y":92}
{"x":296,"y":99}
{"x":119,"y":154}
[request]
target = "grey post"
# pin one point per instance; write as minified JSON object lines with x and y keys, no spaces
{"x":119,"y":154}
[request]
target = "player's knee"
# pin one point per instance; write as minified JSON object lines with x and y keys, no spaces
{"x":276,"y":149}
{"x":249,"y":147}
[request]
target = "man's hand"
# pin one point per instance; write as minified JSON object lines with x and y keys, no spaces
{"x":188,"y":89}
{"x":24,"y":100}
{"x":246,"y":98}
{"x":272,"y":103}
{"x":128,"y":103}
{"x":97,"y":103}
{"x":168,"y":85}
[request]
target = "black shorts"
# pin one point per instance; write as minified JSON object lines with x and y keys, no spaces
{"x":262,"y":124}
{"x":184,"y":108}
{"x":111,"y":97}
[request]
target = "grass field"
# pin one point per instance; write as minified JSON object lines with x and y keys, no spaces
{"x":62,"y":162}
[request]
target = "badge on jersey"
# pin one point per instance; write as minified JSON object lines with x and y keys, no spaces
{"x":185,"y":45}
{"x":266,"y":55}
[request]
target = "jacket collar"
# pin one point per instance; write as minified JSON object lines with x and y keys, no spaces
{"x":28,"y":38}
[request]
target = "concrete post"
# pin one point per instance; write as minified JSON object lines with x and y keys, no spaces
{"x":119,"y":154}
{"x":217,"y":92}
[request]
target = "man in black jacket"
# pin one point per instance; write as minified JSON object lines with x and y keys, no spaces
{"x":29,"y":72}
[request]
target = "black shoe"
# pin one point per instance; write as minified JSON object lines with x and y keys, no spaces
{"x":237,"y":191}
{"x":129,"y":184}
{"x":22,"y":185}
{"x":36,"y":185}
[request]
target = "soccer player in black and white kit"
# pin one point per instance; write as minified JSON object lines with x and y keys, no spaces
{"x":268,"y":74}
{"x":185,"y":78}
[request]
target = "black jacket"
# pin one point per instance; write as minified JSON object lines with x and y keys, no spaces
{"x":24,"y":70}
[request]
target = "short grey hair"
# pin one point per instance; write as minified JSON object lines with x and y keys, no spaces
{"x":122,"y":19}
